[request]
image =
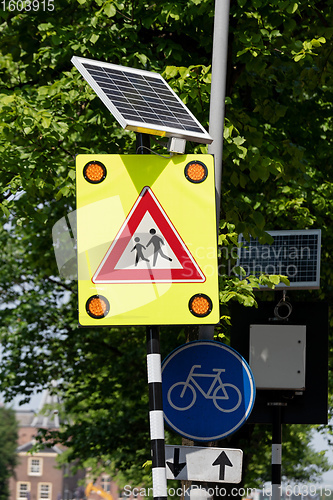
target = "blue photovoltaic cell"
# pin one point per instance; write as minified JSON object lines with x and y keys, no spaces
{"x":142,"y":99}
{"x":295,"y":254}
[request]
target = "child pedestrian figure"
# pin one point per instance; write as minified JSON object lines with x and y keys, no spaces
{"x":139,"y":251}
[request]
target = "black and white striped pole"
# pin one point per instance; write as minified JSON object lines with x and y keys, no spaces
{"x":276,"y":451}
{"x":156,"y":413}
{"x":154,"y":373}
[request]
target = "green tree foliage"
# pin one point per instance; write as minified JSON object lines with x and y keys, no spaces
{"x":277,"y":175}
{"x":8,"y":443}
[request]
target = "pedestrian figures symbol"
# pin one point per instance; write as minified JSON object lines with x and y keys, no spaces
{"x":156,"y":242}
{"x":148,"y":248}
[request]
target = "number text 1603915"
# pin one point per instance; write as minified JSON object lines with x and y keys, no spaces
{"x":27,"y":5}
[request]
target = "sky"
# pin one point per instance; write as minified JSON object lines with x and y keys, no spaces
{"x":319,"y":443}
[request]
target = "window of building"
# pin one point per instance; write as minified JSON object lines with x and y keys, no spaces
{"x":22,"y":490}
{"x":106,"y":483}
{"x":44,"y":491}
{"x":35,"y":466}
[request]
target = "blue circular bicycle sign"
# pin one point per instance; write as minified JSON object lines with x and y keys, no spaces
{"x":208,"y":390}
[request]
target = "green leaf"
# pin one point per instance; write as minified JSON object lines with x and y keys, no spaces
{"x":239,"y":140}
{"x":45,"y":26}
{"x":274,"y":279}
{"x":5,"y":210}
{"x":284,"y":280}
{"x":317,"y":42}
{"x":234,"y":178}
{"x":6,"y":99}
{"x":170,"y":71}
{"x":94,"y":37}
{"x":142,"y":58}
{"x":291,"y":9}
{"x":109,"y":9}
{"x":147,"y":464}
{"x":259,"y":219}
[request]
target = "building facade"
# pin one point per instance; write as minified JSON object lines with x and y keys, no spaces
{"x":39,"y":476}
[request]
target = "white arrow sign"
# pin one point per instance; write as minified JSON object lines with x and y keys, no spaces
{"x":192,"y":463}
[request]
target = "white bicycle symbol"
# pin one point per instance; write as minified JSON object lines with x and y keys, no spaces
{"x":218,"y":391}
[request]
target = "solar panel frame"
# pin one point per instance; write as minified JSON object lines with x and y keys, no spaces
{"x":308,"y":271}
{"x":166,"y":102}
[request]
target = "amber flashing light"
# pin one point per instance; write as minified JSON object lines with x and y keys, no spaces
{"x":94,"y":172}
{"x":200,"y":305}
{"x":97,"y":306}
{"x":196,"y":172}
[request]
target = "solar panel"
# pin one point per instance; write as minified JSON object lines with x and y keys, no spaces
{"x":295,"y":254}
{"x":141,"y":100}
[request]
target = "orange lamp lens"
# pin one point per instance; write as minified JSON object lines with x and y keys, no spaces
{"x":97,"y":306}
{"x":196,"y":171}
{"x":94,"y":172}
{"x":200,"y":305}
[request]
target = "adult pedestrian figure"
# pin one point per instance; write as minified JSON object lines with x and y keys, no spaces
{"x":157,"y":242}
{"x":139,"y":251}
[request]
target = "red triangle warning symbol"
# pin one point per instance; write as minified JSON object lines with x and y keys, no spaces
{"x":148,"y":249}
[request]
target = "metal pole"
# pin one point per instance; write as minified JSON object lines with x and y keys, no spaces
{"x":157,"y":441}
{"x":216,"y":124}
{"x":154,"y":371}
{"x":276,"y":452}
{"x":216,"y":114}
{"x":142,"y":146}
{"x":218,"y":90}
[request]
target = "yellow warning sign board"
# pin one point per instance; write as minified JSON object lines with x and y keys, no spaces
{"x":146,"y":240}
